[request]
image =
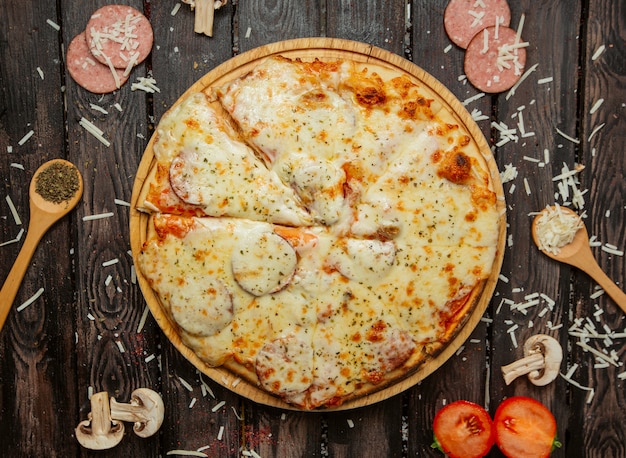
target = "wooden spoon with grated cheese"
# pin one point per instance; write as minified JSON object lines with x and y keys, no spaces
{"x":55,"y":189}
{"x":560,"y":234}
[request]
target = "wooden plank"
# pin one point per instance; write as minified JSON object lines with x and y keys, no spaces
{"x":465,"y":374}
{"x":111,"y":354}
{"x":36,"y":378}
{"x":536,"y":108}
{"x":259,"y":22}
{"x":381,"y":24}
{"x":179,"y":58}
{"x":600,"y":421}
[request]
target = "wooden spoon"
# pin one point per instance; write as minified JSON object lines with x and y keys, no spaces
{"x":43,"y":214}
{"x":578,"y":254}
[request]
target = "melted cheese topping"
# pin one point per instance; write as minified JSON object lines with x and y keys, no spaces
{"x":207,"y":162}
{"x":402,"y":227}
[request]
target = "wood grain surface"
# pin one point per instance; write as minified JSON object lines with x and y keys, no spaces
{"x":86,"y":332}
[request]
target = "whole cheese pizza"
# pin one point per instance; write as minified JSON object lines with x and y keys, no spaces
{"x":319,"y":228}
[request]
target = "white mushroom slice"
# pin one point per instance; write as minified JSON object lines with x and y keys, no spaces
{"x":364,"y":260}
{"x":542,"y":361}
{"x":263,"y":262}
{"x":285,"y":366}
{"x":203,"y":308}
{"x":145,"y":410}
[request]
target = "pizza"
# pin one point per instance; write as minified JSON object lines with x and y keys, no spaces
{"x":320,"y":228}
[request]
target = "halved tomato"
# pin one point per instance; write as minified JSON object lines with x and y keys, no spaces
{"x":525,"y":428}
{"x":463,"y":429}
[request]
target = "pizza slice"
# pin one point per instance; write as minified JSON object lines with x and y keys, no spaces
{"x":199,"y":163}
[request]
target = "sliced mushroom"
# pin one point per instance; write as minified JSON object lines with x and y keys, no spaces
{"x":145,"y":410}
{"x":542,"y":361}
{"x":100,"y":431}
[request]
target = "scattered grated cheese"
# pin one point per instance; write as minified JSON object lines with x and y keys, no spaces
{"x":248,"y":32}
{"x":598,"y":52}
{"x":508,"y":174}
{"x":118,"y":107}
{"x":16,"y":217}
{"x":95,"y":131}
{"x":184,"y":383}
{"x":187,"y":453}
{"x":220,"y":433}
{"x":548,"y":79}
{"x":98,"y":216}
{"x":597,"y":353}
{"x":193,"y":402}
{"x":53,"y":24}
{"x":350,"y":423}
{"x":567,"y":137}
{"x":595,"y":131}
{"x":485,"y":42}
{"x":522,"y":78}
{"x":110,"y":262}
{"x":143,"y":319}
{"x":596,"y":105}
{"x":122,"y":203}
{"x":120,"y":346}
{"x":478,"y":115}
{"x":30,"y":300}
{"x":150,"y":358}
{"x":25,"y":138}
{"x":145,"y":84}
{"x":16,"y":165}
{"x":473,"y":98}
{"x":95,"y":107}
{"x":526,"y":186}
{"x":175,"y":9}
{"x":447,"y":49}
{"x":218,"y":406}
{"x":40,"y":71}
{"x":612,"y":250}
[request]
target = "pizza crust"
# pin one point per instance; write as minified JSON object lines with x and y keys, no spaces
{"x":397,"y":231}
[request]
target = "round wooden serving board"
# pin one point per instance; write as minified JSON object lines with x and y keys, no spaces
{"x":323,"y":49}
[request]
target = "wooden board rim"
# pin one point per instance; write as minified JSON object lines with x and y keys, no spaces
{"x":324,"y":48}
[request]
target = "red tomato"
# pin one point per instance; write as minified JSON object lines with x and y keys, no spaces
{"x":463,"y":430}
{"x":525,"y":428}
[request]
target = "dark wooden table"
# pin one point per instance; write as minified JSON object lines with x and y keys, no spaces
{"x":86,"y":332}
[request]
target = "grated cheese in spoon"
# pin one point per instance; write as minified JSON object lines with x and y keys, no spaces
{"x":555,"y":229}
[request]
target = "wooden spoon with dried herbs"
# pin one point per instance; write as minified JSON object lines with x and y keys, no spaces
{"x":55,"y":189}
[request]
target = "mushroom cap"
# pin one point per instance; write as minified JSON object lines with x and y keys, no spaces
{"x":99,"y":432}
{"x":145,"y":409}
{"x":552,"y":354}
{"x":154,"y":404}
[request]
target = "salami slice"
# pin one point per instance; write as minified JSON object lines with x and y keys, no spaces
{"x":495,"y":60}
{"x":463,"y":19}
{"x":88,"y":72}
{"x":119,"y":34}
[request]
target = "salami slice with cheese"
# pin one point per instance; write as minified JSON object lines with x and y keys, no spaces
{"x":120,"y":36}
{"x":495,"y":59}
{"x":463,"y":19}
{"x":90,"y":73}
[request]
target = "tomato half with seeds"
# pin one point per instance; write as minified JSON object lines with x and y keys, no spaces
{"x":463,"y":429}
{"x":525,"y":428}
